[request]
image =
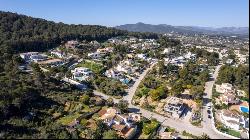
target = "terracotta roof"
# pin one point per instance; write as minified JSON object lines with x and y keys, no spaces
{"x":229,"y":113}
{"x":127,"y":131}
{"x":165,"y":135}
{"x":102,"y":112}
{"x":118,"y":127}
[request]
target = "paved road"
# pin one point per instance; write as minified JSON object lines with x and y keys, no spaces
{"x":104,"y":96}
{"x":208,"y":124}
{"x":131,"y":90}
{"x":174,"y":123}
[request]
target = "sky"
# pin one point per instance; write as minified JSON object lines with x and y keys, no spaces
{"x":208,"y":13}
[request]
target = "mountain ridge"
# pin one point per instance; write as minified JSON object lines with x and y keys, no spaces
{"x":165,"y":28}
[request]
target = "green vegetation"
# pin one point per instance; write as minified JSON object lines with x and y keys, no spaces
{"x":197,"y":92}
{"x":237,"y":76}
{"x":109,"y":86}
{"x":160,"y":92}
{"x":191,"y":136}
{"x":28,"y":102}
{"x":234,"y":133}
{"x":212,"y":57}
{"x":110,"y":134}
{"x":123,"y":106}
{"x":223,"y":129}
{"x":153,"y":87}
{"x":85,"y":99}
{"x":93,"y":66}
{"x":169,"y":129}
{"x":196,"y":123}
{"x":33,"y":34}
{"x":68,"y":119}
{"x":150,"y":127}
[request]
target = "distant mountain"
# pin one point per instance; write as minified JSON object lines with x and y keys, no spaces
{"x":164,"y":28}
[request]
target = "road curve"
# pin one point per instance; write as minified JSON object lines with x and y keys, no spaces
{"x":165,"y":121}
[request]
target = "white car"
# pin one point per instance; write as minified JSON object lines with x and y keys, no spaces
{"x":209,"y":105}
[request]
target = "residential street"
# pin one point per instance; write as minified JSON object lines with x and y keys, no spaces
{"x":208,"y":124}
{"x":131,"y":90}
{"x":104,"y":96}
{"x":177,"y":124}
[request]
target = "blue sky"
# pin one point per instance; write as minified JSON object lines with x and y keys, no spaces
{"x":213,"y":13}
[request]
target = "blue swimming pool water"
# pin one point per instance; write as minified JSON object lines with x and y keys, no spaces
{"x":244,"y":109}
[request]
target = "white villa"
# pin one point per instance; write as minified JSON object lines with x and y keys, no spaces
{"x":232,"y":119}
{"x":81,"y":73}
{"x":94,"y":55}
{"x":33,"y":57}
{"x":38,"y":57}
{"x":112,"y":73}
{"x":174,"y":106}
{"x":142,"y":56}
{"x":26,"y":56}
{"x":229,"y":61}
{"x":190,"y":55}
{"x":225,"y":87}
{"x":167,"y":51}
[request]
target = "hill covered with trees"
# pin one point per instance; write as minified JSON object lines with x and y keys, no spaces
{"x":20,"y":33}
{"x":27,"y":102}
{"x":28,"y":33}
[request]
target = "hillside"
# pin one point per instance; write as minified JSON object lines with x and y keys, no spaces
{"x":26,"y":33}
{"x":163,"y":28}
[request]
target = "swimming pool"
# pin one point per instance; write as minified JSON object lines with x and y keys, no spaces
{"x":244,"y":109}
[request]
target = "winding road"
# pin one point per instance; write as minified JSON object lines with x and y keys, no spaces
{"x":179,"y":125}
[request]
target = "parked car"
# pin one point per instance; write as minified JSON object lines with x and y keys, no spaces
{"x":209,"y":107}
{"x":208,"y":111}
{"x":209,"y":116}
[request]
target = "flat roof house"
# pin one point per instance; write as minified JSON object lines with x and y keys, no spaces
{"x":174,"y":106}
{"x":26,"y":56}
{"x":81,"y":73}
{"x":232,"y":119}
{"x":95,"y":55}
{"x":142,"y":56}
{"x":38,"y":57}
